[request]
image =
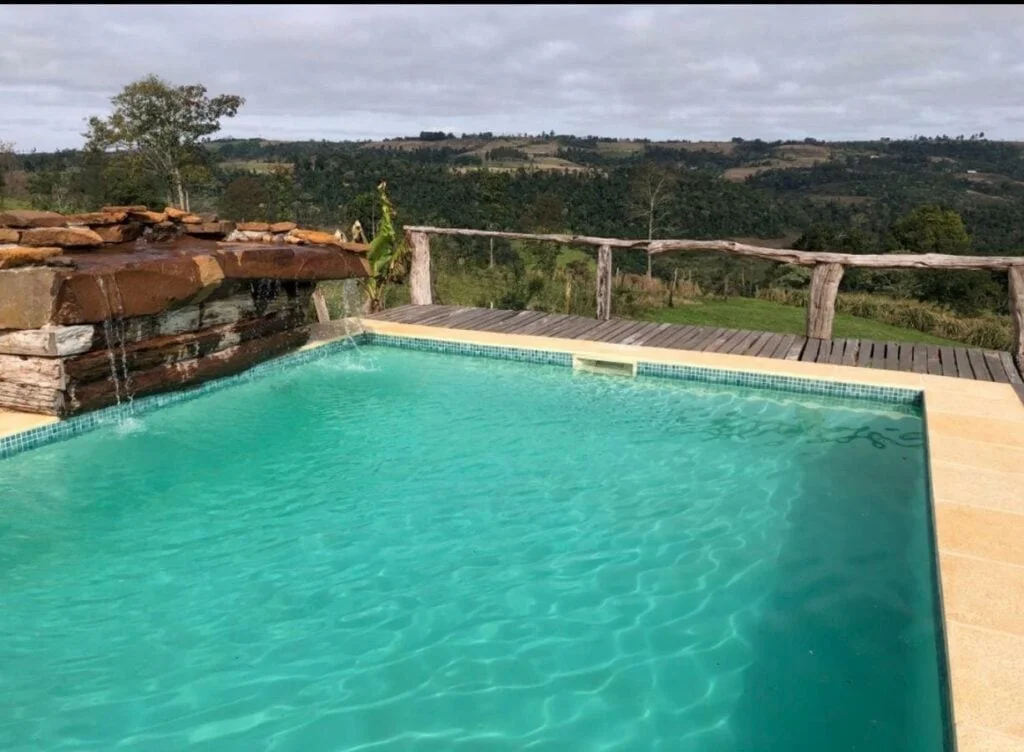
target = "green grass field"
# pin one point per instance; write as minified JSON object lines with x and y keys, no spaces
{"x":762,"y":315}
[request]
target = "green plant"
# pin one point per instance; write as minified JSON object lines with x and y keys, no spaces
{"x":387,"y":255}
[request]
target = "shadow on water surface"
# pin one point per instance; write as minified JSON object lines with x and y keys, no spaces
{"x":846,"y":652}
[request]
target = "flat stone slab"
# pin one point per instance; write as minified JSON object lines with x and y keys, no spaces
{"x":154,"y":279}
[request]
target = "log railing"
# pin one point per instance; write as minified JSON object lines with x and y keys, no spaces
{"x":827,"y":269}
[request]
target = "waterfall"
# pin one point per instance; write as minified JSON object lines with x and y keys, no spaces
{"x":108,"y":334}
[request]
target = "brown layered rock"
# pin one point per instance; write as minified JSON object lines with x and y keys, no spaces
{"x":278,"y":227}
{"x":29,"y":398}
{"x":147,"y":217}
{"x":191,"y":219}
{"x":124,"y":233}
{"x":310,"y":237}
{"x":28,"y":297}
{"x":169,"y":377}
{"x":149,"y":287}
{"x":210,"y":229}
{"x":31,"y":218}
{"x":125,"y":209}
{"x":175,"y":214}
{"x":9,"y":236}
{"x":253,"y":226}
{"x":308,"y":264}
{"x":94,"y":219}
{"x":17,"y":255}
{"x":157,"y":351}
{"x":249,"y":236}
{"x":64,"y":237}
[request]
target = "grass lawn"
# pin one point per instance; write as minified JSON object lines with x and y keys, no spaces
{"x":763,"y":315}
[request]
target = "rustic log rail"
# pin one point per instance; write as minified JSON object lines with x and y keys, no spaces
{"x":827,"y":269}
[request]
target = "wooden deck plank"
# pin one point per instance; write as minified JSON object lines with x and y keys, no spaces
{"x":650,"y":334}
{"x":609,"y":334}
{"x":697,"y":337}
{"x":540,"y":325}
{"x":948,"y":361}
{"x":387,"y":314}
{"x":757,"y":343}
{"x":492,"y":322}
{"x":877,"y":355}
{"x":934,"y":360}
{"x":692,"y":336}
{"x":743,"y":344}
{"x":995,"y":366}
{"x":718,"y":337}
{"x":437,"y":316}
{"x":919,"y":359}
{"x":621,"y":335}
{"x":810,"y":353}
{"x":977,"y":360}
{"x":577,"y":327}
{"x":512,"y":323}
{"x":765,"y":344}
{"x":489,"y":316}
{"x":584,"y":332}
{"x":892,"y":356}
{"x":568,"y":322}
{"x":835,"y":357}
{"x":906,"y":357}
{"x":730,"y":339}
{"x":782,"y":346}
{"x":850,"y":352}
{"x":666,"y":335}
{"x":963,"y":363}
{"x":865,"y":353}
{"x":1011,"y":370}
{"x":602,"y":327}
{"x":468,"y":319}
{"x":796,"y":348}
{"x":634,"y":334}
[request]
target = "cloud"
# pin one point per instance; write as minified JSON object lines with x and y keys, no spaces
{"x":696,"y":72}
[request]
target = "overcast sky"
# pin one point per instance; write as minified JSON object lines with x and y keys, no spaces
{"x":341,"y":72}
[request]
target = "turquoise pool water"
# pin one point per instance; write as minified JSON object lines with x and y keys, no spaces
{"x":400,"y":550}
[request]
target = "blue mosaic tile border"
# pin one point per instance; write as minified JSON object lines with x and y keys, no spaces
{"x":791,"y":384}
{"x":36,"y":437}
{"x":774,"y":382}
{"x":65,"y":429}
{"x":526,"y":355}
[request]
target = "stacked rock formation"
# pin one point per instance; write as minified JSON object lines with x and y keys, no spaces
{"x":89,"y":316}
{"x":29,"y":237}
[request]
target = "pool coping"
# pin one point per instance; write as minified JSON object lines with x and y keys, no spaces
{"x":975,"y":448}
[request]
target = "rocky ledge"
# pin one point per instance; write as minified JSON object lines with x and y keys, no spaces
{"x":88,"y":318}
{"x":44,"y":238}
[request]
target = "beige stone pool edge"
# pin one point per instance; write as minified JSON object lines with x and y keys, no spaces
{"x":975,"y":444}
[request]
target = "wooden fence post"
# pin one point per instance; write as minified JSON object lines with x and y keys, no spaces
{"x":821,"y":305}
{"x":1017,"y":314}
{"x":604,"y":283}
{"x":419,"y":269}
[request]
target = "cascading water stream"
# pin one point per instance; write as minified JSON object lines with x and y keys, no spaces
{"x":108,"y":334}
{"x":351,"y":309}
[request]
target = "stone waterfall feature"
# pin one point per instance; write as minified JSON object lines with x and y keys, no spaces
{"x":81,"y":330}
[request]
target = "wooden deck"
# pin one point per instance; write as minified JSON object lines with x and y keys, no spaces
{"x":959,"y":362}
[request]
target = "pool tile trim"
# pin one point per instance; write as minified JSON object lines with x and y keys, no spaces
{"x":702,"y":374}
{"x":65,"y":429}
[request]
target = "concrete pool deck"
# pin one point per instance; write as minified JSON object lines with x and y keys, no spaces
{"x":975,"y":442}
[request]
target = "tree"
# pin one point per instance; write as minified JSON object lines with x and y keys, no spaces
{"x":650,"y":191}
{"x":7,"y":164}
{"x":162,"y":125}
{"x":930,"y":229}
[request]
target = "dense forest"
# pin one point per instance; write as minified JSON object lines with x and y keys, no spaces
{"x":962,"y":194}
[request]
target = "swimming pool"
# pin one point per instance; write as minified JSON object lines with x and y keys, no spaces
{"x":409,"y":550}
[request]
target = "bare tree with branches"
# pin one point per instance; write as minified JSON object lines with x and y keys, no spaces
{"x":650,"y":193}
